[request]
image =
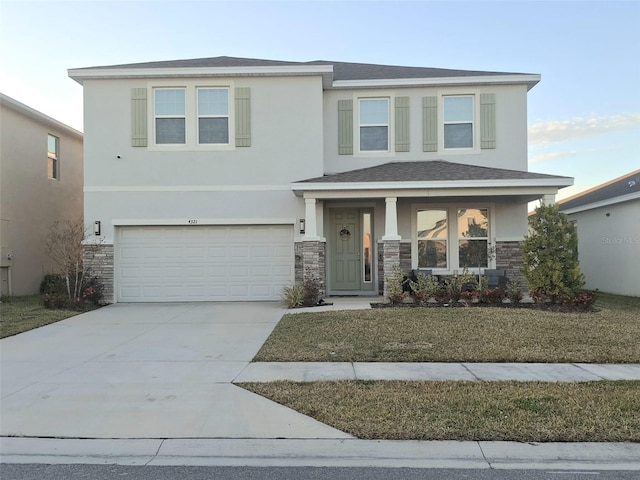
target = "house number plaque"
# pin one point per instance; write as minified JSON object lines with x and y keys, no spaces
{"x":193,"y":222}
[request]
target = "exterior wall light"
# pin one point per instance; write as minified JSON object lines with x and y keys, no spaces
{"x":302,"y":225}
{"x":96,"y":228}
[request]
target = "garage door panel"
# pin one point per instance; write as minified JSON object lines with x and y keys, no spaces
{"x":199,"y":263}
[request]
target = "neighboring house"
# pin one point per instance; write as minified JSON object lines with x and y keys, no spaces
{"x":607,"y":219}
{"x":40,"y":182}
{"x":230,"y":178}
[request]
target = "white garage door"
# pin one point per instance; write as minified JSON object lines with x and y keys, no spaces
{"x":203,"y":263}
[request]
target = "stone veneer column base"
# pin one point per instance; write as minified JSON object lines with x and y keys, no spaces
{"x":390,"y":254}
{"x":98,"y":263}
{"x":509,"y":258}
{"x":310,"y":260}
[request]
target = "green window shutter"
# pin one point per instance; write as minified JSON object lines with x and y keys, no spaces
{"x":345,"y":127}
{"x":243,"y":117}
{"x":488,"y":120}
{"x":430,"y":124}
{"x":138,"y":117}
{"x":402,"y":124}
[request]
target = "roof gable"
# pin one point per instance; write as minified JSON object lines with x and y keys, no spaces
{"x":619,"y":188}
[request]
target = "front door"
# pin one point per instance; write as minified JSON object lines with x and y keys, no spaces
{"x":346,"y":247}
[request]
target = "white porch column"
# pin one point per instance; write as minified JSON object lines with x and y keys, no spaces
{"x":391,"y":220}
{"x":311,"y":221}
{"x":549,"y":199}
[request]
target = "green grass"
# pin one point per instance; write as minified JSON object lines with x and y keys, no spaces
{"x":609,"y":335}
{"x":20,"y":314}
{"x":435,"y":410}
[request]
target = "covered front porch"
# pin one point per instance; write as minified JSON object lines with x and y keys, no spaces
{"x":441,"y":216}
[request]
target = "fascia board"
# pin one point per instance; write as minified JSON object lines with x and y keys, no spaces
{"x":532,"y":193}
{"x":530,"y":80}
{"x":341,"y":186}
{"x":105,"y":73}
{"x":602,"y":203}
{"x":38,"y":116}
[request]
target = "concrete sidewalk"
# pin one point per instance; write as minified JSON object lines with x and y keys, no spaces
{"x":324,"y":453}
{"x":543,"y":372}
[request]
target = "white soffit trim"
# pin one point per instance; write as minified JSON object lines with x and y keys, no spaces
{"x":340,"y":186}
{"x":531,"y":80}
{"x":81,"y":74}
{"x":194,"y":222}
{"x":603,"y":203}
{"x":189,"y":188}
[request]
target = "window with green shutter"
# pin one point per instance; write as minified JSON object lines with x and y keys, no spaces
{"x":138,"y":117}
{"x":488,"y":120}
{"x":402,"y":124}
{"x":430,"y":124}
{"x":345,"y":127}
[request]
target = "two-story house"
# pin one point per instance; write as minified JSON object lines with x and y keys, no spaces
{"x":230,"y":178}
{"x":40,"y":183}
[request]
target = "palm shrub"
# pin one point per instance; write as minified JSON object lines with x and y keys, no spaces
{"x":550,"y":255}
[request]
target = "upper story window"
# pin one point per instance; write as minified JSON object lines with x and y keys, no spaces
{"x":374,"y":124}
{"x":170,"y":116}
{"x":213,"y":115}
{"x":458,"y":121}
{"x":53,"y":154}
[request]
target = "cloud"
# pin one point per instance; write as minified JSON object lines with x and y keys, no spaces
{"x":554,"y":155}
{"x":580,"y":127}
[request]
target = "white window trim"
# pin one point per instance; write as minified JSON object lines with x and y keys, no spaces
{"x":389,"y":97}
{"x":227,"y":116}
{"x":474,"y":127}
{"x":453,"y":257}
{"x":191,"y":112}
{"x":156,"y":116}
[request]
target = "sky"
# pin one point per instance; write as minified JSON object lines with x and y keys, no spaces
{"x":583,"y":117}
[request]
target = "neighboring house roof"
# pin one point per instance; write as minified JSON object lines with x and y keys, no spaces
{"x":36,"y":115}
{"x":339,"y":74}
{"x":435,"y":174}
{"x":618,"y":190}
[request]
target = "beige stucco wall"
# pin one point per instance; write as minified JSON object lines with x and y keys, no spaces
{"x":30,"y":202}
{"x":511,"y":128}
{"x":609,"y":247}
{"x":190,"y":183}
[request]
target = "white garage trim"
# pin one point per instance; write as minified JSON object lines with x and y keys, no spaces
{"x":202,"y":221}
{"x":178,"y":263}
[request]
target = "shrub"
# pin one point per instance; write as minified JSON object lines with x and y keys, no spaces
{"x":458,"y":283}
{"x":52,"y":283}
{"x":92,"y":291}
{"x":492,"y":296}
{"x":423,"y":288}
{"x":396,"y":282}
{"x":293,"y":296}
{"x":584,"y":300}
{"x":311,"y":289}
{"x":513,"y":292}
{"x":550,"y":255}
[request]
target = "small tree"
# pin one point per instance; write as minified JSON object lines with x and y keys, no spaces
{"x":550,"y":254}
{"x":63,"y":244}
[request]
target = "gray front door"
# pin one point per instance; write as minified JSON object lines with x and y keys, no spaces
{"x":346,"y":247}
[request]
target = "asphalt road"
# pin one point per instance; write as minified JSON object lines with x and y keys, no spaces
{"x":109,"y":472}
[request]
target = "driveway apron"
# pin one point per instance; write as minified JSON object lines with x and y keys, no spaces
{"x":145,"y":371}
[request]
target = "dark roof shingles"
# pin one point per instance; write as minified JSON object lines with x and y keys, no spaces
{"x":626,"y":185}
{"x":427,"y":171}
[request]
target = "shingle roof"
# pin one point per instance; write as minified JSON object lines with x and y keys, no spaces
{"x":429,"y":171}
{"x":622,"y":186}
{"x":341,"y":70}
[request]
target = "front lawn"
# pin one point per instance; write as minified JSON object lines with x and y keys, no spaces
{"x":20,"y":314}
{"x":510,"y":411}
{"x":609,"y":335}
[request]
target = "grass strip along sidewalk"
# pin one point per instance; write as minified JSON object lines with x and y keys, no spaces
{"x":434,"y":410}
{"x":609,"y":335}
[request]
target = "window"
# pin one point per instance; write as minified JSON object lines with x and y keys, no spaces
{"x":367,"y":244}
{"x":432,"y":238}
{"x":451,"y":245}
{"x":53,"y":151}
{"x":374,"y":125}
{"x":458,"y":122}
{"x":170,"y":116}
{"x":473,"y":237}
{"x":213,"y":115}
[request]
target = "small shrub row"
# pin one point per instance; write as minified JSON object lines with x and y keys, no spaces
{"x":55,"y":294}
{"x":307,"y":294}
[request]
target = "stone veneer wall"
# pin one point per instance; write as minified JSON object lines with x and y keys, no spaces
{"x":509,"y":258}
{"x":98,"y":262}
{"x":298,"y":269}
{"x":405,"y":256}
{"x":313,"y":262}
{"x":390,"y":259}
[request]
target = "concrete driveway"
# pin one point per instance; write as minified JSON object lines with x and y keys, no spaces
{"x":145,"y":371}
